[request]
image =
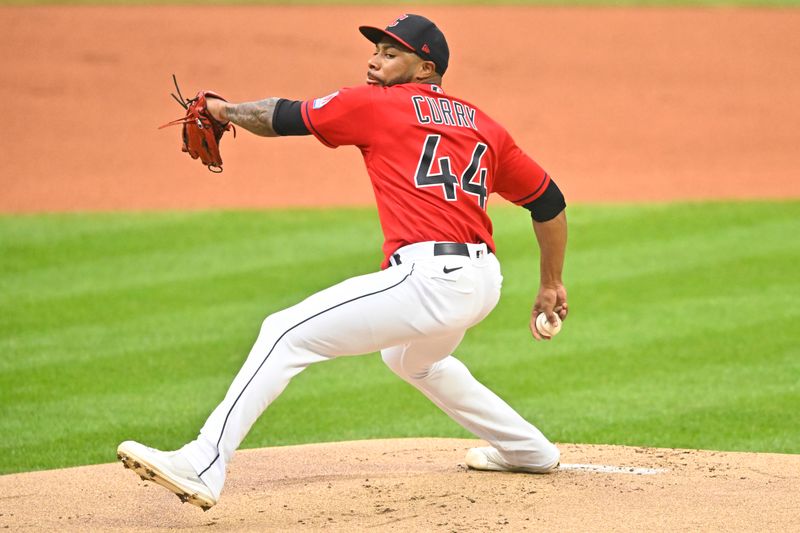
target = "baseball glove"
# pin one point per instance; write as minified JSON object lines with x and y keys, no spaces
{"x":201,"y":131}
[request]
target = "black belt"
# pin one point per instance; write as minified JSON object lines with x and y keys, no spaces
{"x":443,"y":248}
{"x":451,"y":248}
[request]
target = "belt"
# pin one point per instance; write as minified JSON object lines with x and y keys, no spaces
{"x":439,"y":248}
{"x":451,"y":248}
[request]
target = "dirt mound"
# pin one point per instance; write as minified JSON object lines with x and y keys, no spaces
{"x":423,"y":485}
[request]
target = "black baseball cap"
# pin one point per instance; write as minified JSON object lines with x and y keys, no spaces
{"x":416,"y":33}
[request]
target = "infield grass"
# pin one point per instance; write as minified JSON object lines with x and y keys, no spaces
{"x":683,"y":330}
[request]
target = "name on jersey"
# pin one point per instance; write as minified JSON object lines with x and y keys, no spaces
{"x":443,"y":111}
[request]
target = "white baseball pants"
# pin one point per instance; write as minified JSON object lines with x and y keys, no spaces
{"x":415,"y":313}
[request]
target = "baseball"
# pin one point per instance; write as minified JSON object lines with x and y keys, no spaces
{"x":546,"y":328}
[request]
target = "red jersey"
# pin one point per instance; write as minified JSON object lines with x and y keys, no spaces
{"x":433,"y":160}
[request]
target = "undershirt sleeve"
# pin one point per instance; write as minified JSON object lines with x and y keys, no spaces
{"x":549,"y":204}
{"x":288,"y":118}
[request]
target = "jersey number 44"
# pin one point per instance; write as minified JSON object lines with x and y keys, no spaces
{"x":445,"y":177}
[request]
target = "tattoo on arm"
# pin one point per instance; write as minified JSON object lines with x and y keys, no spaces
{"x":255,"y":117}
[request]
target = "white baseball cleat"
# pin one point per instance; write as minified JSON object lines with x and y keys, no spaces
{"x":169,"y":469}
{"x":489,"y":458}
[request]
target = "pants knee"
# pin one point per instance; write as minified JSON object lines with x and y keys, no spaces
{"x":271,"y":323}
{"x":278,"y":327}
{"x":393,"y":359}
{"x":396,"y":361}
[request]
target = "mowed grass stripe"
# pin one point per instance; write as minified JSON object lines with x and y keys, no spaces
{"x":678,"y":312}
{"x":116,"y":326}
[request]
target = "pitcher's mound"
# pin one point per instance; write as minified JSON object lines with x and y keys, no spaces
{"x":423,"y":485}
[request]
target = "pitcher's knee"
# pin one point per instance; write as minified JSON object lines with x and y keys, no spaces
{"x":271,"y":323}
{"x":398,"y":364}
{"x":393,"y":359}
{"x":279,"y":328}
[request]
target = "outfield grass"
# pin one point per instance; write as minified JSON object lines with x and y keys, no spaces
{"x":683,"y":331}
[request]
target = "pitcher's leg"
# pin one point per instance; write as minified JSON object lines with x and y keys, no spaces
{"x":357,"y":316}
{"x":451,"y":386}
{"x":266,"y":372}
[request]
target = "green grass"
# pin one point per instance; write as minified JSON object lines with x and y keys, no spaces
{"x":683,"y":331}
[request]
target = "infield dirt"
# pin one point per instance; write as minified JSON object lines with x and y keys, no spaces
{"x":617,"y":104}
{"x":423,"y":485}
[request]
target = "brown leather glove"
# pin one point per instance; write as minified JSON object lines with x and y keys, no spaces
{"x":201,"y":132}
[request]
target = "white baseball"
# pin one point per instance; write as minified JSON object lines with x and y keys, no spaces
{"x":546,"y":328}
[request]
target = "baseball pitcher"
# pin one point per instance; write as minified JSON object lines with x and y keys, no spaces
{"x":433,"y":160}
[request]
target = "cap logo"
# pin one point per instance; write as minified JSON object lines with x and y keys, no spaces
{"x":426,"y":49}
{"x":396,"y":22}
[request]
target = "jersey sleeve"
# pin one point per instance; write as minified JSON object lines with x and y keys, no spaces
{"x":341,"y":118}
{"x":519,"y":179}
